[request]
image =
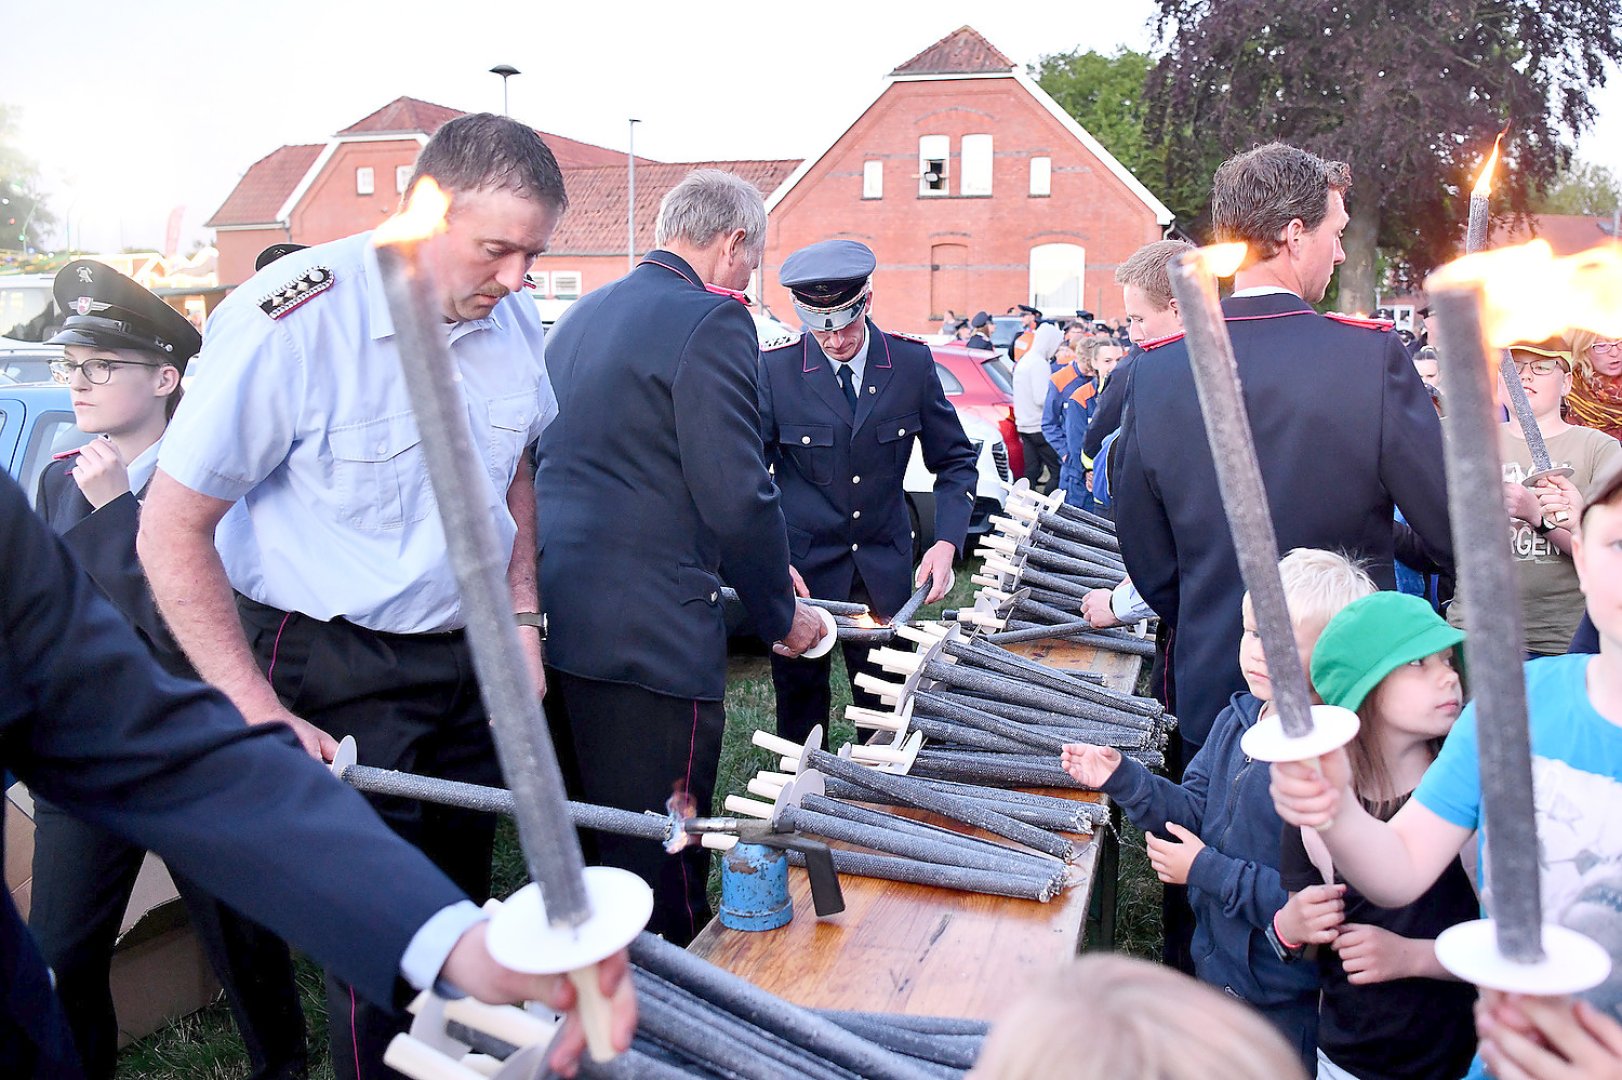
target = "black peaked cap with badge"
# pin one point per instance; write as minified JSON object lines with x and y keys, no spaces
{"x":828,"y":282}
{"x":106,"y":310}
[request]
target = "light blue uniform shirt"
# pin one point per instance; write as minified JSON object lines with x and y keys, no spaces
{"x":305,"y":423}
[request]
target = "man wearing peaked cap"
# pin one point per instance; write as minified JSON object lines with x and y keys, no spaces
{"x":840,"y":410}
{"x":124,"y":352}
{"x":106,"y":310}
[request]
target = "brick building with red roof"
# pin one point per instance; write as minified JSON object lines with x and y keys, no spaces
{"x":972,"y":186}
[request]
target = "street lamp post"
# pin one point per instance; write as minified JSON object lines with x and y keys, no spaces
{"x":506,"y":71}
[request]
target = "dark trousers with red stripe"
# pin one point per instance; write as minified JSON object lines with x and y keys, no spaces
{"x":412,"y":703}
{"x":804,"y":687}
{"x":627,"y":747}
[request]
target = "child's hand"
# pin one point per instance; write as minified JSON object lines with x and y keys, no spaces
{"x":1372,"y":955}
{"x":1312,"y":915}
{"x":1529,"y":1038}
{"x":1172,"y":858}
{"x":100,"y":472}
{"x":1090,"y":765}
{"x":1559,"y":501}
{"x":1521,"y":504}
{"x":1304,"y":795}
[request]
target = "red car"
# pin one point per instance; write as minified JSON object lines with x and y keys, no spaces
{"x":982,"y":382}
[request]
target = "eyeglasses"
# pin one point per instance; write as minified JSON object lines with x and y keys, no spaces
{"x":1606,"y":348}
{"x":97,"y":371}
{"x":1539,"y":367}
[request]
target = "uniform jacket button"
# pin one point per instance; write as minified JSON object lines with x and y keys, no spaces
{"x":806,"y":439}
{"x":856,"y":479}
{"x":714,"y":596}
{"x":853,"y":547}
{"x":901,"y":431}
{"x":855,"y":513}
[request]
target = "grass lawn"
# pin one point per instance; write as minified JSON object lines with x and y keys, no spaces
{"x":205,"y":1046}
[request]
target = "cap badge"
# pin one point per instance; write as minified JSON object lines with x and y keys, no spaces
{"x":84,"y":275}
{"x":84,"y":304}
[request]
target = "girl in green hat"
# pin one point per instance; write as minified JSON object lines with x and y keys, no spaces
{"x":1386,"y":1009}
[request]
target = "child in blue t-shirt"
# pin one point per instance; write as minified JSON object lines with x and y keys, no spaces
{"x":1574,"y":706}
{"x":1220,"y":834}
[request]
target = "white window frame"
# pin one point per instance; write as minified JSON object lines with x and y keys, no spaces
{"x":978,"y":165}
{"x":365,"y":180}
{"x":543,"y":283}
{"x":1041,"y":177}
{"x":873,"y":179}
{"x":561,"y":282}
{"x":402,"y":177}
{"x":936,"y":149}
{"x":1054,"y":266}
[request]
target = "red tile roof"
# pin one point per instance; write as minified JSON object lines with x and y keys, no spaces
{"x":404,"y":116}
{"x":1566,"y":233}
{"x":962,"y":52}
{"x":265,"y":187}
{"x":268,"y":182}
{"x":595,"y":221}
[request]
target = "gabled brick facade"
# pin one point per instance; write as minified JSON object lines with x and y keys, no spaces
{"x":965,"y":241}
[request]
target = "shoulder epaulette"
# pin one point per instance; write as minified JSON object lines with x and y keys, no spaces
{"x":312,"y":282}
{"x":1155,"y":343}
{"x":774,"y":344}
{"x":899,"y":336}
{"x":1358,"y":320}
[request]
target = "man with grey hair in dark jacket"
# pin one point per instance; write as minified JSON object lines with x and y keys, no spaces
{"x":650,"y":482}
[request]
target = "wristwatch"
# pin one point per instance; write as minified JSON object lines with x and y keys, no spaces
{"x":1285,"y":953}
{"x":537,"y":619}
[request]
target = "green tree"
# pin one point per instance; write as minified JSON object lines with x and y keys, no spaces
{"x":1106,"y":95}
{"x":1409,"y":93}
{"x":1582,"y":188}
{"x":24,"y":219}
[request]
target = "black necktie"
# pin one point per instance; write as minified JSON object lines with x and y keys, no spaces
{"x":846,"y":383}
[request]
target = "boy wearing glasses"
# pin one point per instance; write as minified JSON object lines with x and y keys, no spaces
{"x":1542,"y":516}
{"x":124,"y":352}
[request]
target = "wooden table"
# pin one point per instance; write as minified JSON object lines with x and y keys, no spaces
{"x":914,"y":949}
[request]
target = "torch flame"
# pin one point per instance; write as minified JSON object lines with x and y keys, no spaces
{"x":1529,"y":293}
{"x":1223,"y":260}
{"x":866,"y":621}
{"x":1483,"y":186}
{"x":423,"y":216}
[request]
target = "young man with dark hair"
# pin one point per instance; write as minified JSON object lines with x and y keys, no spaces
{"x":291,"y":535}
{"x":1344,"y":428}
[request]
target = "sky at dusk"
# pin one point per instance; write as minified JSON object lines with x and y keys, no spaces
{"x":133,"y":109}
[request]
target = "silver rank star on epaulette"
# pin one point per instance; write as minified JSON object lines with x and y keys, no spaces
{"x":315,"y":280}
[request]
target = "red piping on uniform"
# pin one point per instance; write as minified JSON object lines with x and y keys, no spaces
{"x":354,"y":1038}
{"x":672,"y":269}
{"x":1258,"y":318}
{"x":270,"y":672}
{"x":687,"y":786}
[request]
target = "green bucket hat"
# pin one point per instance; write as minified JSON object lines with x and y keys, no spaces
{"x":1372,"y":637}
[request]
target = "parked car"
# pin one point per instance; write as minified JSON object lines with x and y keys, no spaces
{"x":28,"y":312}
{"x":27,"y":363}
{"x":982,"y":383}
{"x":36,"y":422}
{"x":991,"y":461}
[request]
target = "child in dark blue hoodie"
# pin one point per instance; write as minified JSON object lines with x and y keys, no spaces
{"x":1218,"y":831}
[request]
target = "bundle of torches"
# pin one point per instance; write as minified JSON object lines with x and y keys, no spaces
{"x":972,"y":727}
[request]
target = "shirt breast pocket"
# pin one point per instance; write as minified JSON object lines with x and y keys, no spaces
{"x":811,"y":448}
{"x":510,"y":419}
{"x":381,"y":475}
{"x":897,"y":433}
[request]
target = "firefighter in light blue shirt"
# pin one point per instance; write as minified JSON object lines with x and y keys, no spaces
{"x":297,"y":440}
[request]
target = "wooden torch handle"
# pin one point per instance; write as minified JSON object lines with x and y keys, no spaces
{"x":596,"y":1018}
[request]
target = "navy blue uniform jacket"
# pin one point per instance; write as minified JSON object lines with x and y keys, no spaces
{"x":103,"y":542}
{"x":841,"y":473}
{"x":1233,"y":883}
{"x":651,"y":480}
{"x":1343,"y":429}
{"x":90,"y":722}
